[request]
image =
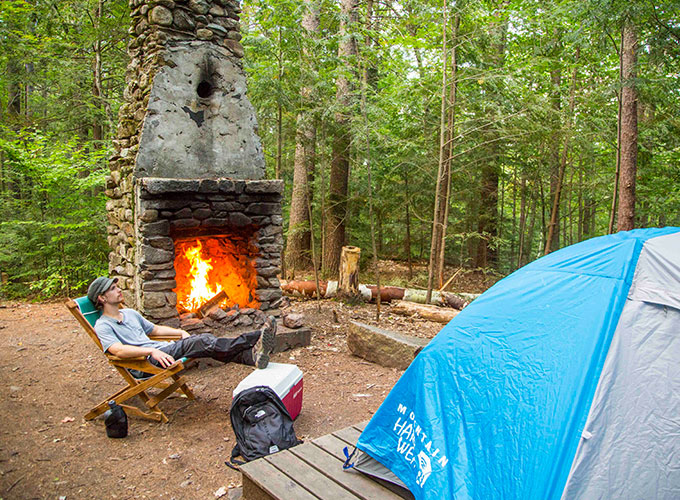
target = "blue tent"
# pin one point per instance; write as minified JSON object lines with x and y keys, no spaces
{"x":561,"y":381}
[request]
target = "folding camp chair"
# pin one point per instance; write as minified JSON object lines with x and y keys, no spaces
{"x":86,"y":314}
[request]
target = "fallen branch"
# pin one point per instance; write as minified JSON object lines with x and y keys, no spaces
{"x":328,"y":289}
{"x":425,"y":311}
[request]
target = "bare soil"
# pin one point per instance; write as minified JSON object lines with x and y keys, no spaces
{"x":51,"y":374}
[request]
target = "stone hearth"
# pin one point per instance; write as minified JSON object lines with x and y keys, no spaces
{"x":172,"y":208}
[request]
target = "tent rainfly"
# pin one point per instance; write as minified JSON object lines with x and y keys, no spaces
{"x":562,"y":381}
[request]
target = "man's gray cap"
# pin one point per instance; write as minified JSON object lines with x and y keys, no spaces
{"x":99,"y":287}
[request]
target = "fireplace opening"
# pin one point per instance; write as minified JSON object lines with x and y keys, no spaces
{"x":204,"y":89}
{"x":208,"y":265}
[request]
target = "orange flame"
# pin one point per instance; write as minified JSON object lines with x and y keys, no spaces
{"x":207,"y":265}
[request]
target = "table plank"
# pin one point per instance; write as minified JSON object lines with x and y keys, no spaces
{"x":361,"y":425}
{"x":331,"y":466}
{"x":309,"y":477}
{"x":349,"y":434}
{"x":261,"y":480}
{"x":333,"y":445}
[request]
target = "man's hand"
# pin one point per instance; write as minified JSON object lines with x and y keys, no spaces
{"x":185,"y":335}
{"x":163,"y":358}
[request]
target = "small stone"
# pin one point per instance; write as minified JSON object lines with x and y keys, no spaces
{"x":234,"y":47}
{"x":204,"y":34}
{"x":293,"y":320}
{"x":159,"y":285}
{"x":152,"y":255}
{"x":185,"y":223}
{"x":238,"y":219}
{"x":162,"y":242}
{"x":160,"y":15}
{"x":191,"y":324}
{"x":149,"y":216}
{"x":216,"y":10}
{"x":202,"y":213}
{"x":228,"y":24}
{"x":245,"y":320}
{"x":199,"y":6}
{"x":152,"y":300}
{"x":217,"y":314}
{"x":183,"y":20}
{"x":216,"y":28}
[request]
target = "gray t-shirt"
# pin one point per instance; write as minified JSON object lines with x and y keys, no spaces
{"x":133,"y":330}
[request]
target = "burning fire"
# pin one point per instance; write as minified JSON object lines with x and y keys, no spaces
{"x":207,"y":265}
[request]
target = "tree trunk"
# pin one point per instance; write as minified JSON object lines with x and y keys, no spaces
{"x":553,"y":226}
{"x":487,"y":222}
{"x":97,"y":128}
{"x":279,"y":111}
{"x":522,"y":219}
{"x":553,"y":236}
{"x":336,"y":204}
{"x":443,"y":188}
{"x":13,"y":90}
{"x":448,"y":149}
{"x":629,"y":129}
{"x":298,"y":245}
{"x":441,"y":171}
{"x":617,"y":170}
{"x":407,"y":216}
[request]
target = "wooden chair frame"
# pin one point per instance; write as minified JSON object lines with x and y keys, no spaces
{"x":86,"y":314}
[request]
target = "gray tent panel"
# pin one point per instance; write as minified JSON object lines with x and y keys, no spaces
{"x":629,"y":447}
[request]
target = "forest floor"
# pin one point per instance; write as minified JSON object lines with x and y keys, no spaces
{"x":51,"y":374}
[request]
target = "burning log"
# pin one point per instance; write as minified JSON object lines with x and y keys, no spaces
{"x":328,"y":289}
{"x":205,"y":308}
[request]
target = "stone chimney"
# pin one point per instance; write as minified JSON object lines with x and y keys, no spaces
{"x":185,"y":119}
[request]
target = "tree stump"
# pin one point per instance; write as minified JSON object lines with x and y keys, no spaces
{"x":348,"y":279}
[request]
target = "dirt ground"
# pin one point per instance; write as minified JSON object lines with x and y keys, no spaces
{"x":51,"y":374}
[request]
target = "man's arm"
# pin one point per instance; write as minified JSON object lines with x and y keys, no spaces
{"x":132,"y":351}
{"x":166,"y":330}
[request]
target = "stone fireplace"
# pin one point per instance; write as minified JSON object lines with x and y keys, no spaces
{"x":190,"y":214}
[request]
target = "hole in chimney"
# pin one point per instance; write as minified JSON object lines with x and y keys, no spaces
{"x":204,"y":89}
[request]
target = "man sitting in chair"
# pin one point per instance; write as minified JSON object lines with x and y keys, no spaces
{"x":123,"y":333}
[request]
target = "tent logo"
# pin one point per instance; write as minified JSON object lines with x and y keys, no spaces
{"x":425,"y":469}
{"x":414,"y":445}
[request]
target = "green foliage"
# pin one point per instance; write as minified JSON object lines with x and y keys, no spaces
{"x":52,"y":214}
{"x":511,"y":117}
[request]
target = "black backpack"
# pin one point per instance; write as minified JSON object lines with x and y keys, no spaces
{"x":261,"y":423}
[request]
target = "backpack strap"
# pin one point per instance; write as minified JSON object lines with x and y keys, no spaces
{"x":234,"y":463}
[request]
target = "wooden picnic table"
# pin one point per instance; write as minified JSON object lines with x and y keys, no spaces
{"x":312,"y":470}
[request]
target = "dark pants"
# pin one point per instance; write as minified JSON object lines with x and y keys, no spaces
{"x":206,"y":345}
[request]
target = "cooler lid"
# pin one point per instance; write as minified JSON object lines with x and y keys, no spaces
{"x":279,"y":376}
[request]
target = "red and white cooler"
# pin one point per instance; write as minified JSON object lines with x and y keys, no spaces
{"x":284,"y":379}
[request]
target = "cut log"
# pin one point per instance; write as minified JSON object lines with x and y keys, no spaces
{"x":387,"y":293}
{"x":383,"y":347}
{"x":348,"y":276}
{"x":425,"y":311}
